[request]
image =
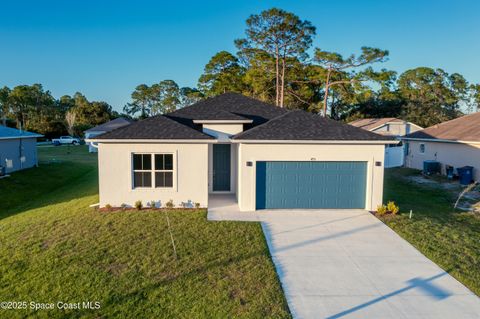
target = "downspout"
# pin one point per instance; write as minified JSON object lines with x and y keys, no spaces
{"x":20,"y":146}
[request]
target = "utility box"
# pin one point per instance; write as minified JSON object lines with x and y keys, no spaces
{"x":431,"y":167}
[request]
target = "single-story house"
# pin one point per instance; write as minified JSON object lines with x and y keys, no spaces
{"x":268,"y":157}
{"x":389,"y":126}
{"x":455,"y":143}
{"x":18,"y":149}
{"x":104,"y":128}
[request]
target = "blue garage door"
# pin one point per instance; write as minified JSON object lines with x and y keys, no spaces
{"x":311,"y":185}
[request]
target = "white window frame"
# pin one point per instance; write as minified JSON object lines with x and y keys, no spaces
{"x":153,"y":170}
{"x":420,"y":148}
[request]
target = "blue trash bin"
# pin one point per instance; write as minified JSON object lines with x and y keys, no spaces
{"x":465,"y":174}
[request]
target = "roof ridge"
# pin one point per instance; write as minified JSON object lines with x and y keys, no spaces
{"x":263,"y":124}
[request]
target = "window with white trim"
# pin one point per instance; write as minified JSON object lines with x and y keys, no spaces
{"x":163,"y":170}
{"x":422,"y":148}
{"x":152,"y":170}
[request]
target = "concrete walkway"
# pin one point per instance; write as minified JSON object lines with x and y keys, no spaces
{"x":348,"y":264}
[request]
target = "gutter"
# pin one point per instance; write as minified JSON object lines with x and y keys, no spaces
{"x":439,"y":140}
{"x":375,"y":142}
{"x":215,"y":141}
{"x":130,"y":141}
{"x":18,"y":137}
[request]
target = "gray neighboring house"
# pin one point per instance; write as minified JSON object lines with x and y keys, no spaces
{"x":104,"y":128}
{"x":18,"y":149}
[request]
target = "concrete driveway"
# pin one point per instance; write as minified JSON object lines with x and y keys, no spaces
{"x":348,"y":264}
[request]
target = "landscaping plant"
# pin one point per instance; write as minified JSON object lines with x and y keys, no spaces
{"x":170,"y":204}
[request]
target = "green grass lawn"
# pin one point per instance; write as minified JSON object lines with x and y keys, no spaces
{"x":449,"y":238}
{"x":53,"y":247}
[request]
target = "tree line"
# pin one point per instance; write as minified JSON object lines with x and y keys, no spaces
{"x":30,"y":107}
{"x":276,"y":63}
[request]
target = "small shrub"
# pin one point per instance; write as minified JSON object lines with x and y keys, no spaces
{"x":392,"y":208}
{"x":381,"y":210}
{"x":123,"y":206}
{"x":170,"y":204}
{"x":138,"y":205}
{"x":152,"y":204}
{"x":108,"y":207}
{"x":197,"y":205}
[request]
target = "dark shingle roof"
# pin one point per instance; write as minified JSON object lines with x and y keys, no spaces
{"x":301,"y":125}
{"x":9,"y":132}
{"x":110,"y":125}
{"x":156,"y":128}
{"x":465,"y":128}
{"x":234,"y":103}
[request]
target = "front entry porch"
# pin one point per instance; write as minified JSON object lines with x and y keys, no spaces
{"x":225,"y":207}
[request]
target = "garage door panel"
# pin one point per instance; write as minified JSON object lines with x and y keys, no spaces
{"x":311,"y":184}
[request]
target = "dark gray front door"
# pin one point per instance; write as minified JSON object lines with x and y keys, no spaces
{"x":221,"y":167}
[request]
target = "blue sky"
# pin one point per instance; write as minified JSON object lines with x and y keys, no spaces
{"x":105,"y":48}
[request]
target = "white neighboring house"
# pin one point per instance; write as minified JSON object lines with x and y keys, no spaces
{"x":260,"y":155}
{"x":389,"y":126}
{"x":18,"y":149}
{"x":453,"y":143}
{"x":104,"y":128}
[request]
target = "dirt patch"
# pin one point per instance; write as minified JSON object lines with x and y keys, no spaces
{"x":470,"y":201}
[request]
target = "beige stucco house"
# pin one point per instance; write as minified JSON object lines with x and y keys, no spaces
{"x":455,"y":143}
{"x":389,"y":126}
{"x":268,"y":157}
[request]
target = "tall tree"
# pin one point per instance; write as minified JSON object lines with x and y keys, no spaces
{"x":474,"y":104}
{"x":281,"y":34}
{"x":431,"y":95}
{"x":4,"y":104}
{"x":336,"y":65}
{"x":70,"y":117}
{"x":142,"y":101}
{"x":189,"y":96}
{"x":221,"y":74}
{"x":166,"y":97}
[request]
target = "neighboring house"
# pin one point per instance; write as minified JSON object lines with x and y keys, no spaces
{"x":455,"y":143}
{"x":267,"y":156}
{"x":389,"y":126}
{"x":104,"y":128}
{"x":18,"y":149}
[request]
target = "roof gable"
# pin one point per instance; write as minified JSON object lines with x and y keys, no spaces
{"x":301,"y":125}
{"x":226,"y":106}
{"x":372,"y":123}
{"x":465,"y":128}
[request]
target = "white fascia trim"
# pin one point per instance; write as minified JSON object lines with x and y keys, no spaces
{"x":130,"y":141}
{"x":439,"y":140}
{"x":313,"y":142}
{"x":18,"y":137}
{"x":222,"y":121}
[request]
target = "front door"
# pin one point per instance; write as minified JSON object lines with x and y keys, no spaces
{"x":221,"y":167}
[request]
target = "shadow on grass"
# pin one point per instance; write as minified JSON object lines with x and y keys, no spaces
{"x":219,"y":264}
{"x":48,"y":184}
